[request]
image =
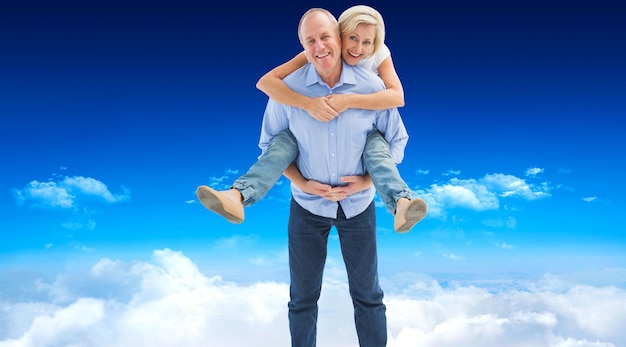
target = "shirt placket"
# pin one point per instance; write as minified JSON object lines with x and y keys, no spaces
{"x":332,"y":155}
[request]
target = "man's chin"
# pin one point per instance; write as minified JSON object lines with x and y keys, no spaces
{"x":325,"y":65}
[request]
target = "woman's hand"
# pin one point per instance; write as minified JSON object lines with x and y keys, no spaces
{"x":338,"y":102}
{"x":319,"y":109}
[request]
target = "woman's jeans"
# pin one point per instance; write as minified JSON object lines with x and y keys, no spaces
{"x":384,"y":172}
{"x":265,"y":172}
{"x":283,"y":150}
{"x":308,"y":236}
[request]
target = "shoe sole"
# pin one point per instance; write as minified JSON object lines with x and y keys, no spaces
{"x":211,"y":199}
{"x":414,"y":214}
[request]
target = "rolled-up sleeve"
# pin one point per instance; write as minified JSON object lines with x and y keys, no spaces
{"x":390,"y":123}
{"x":275,"y":120}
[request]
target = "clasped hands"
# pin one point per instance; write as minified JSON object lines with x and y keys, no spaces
{"x":354,"y":184}
{"x":327,"y":108}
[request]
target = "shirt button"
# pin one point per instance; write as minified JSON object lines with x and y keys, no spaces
{"x":332,"y":154}
{"x":332,"y":134}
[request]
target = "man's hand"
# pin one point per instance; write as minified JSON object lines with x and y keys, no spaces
{"x":354,"y":185}
{"x":316,"y":188}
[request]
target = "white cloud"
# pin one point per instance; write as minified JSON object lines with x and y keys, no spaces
{"x":452,"y":173}
{"x":480,"y":194}
{"x":511,"y":186}
{"x":66,"y":326}
{"x":45,"y":194}
{"x":81,"y":196}
{"x":508,"y":222}
{"x":590,"y":199}
{"x":170,"y":302}
{"x":504,"y":245}
{"x":458,"y":193}
{"x":74,"y":225}
{"x":83,"y":248}
{"x":453,"y":256}
{"x":232,"y":171}
{"x":225,"y":181}
{"x":68,"y":193}
{"x":533,"y":171}
{"x":87,"y":186}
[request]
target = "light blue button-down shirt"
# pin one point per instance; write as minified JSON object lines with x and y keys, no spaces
{"x":330,"y":150}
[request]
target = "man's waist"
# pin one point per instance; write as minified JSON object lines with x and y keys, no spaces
{"x":353,"y":204}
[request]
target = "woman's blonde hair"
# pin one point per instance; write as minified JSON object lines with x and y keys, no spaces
{"x":362,"y":14}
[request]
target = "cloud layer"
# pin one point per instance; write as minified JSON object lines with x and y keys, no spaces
{"x":170,"y":302}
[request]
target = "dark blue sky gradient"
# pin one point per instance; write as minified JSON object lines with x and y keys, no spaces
{"x":160,"y":96}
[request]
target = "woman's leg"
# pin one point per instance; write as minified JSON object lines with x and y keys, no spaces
{"x":265,"y":172}
{"x":384,"y":172}
{"x":254,"y":184}
{"x":391,"y":188}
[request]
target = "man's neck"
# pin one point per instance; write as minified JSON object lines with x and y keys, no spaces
{"x":331,"y":77}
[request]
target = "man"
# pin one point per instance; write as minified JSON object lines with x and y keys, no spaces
{"x":329,"y":155}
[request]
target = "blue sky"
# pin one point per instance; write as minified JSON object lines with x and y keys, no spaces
{"x":111,"y":114}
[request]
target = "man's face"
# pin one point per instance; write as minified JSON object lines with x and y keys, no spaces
{"x":321,"y":42}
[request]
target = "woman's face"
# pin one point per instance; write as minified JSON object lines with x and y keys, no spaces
{"x":358,"y":44}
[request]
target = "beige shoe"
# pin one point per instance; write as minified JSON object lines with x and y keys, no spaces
{"x":220,"y":204}
{"x":408,"y":216}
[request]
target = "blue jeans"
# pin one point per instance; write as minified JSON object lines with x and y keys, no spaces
{"x":308,"y":236}
{"x":265,"y":172}
{"x":283,"y":150}
{"x":384,"y":172}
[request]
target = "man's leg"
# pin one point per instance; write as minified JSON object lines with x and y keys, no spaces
{"x":391,"y":188}
{"x":357,"y":237}
{"x":308,"y":237}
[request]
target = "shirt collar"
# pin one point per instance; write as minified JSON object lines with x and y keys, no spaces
{"x":347,"y":76}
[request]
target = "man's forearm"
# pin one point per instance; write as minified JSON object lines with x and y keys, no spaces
{"x":294,"y":175}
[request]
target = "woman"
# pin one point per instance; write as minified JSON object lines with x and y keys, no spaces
{"x":362,"y":31}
